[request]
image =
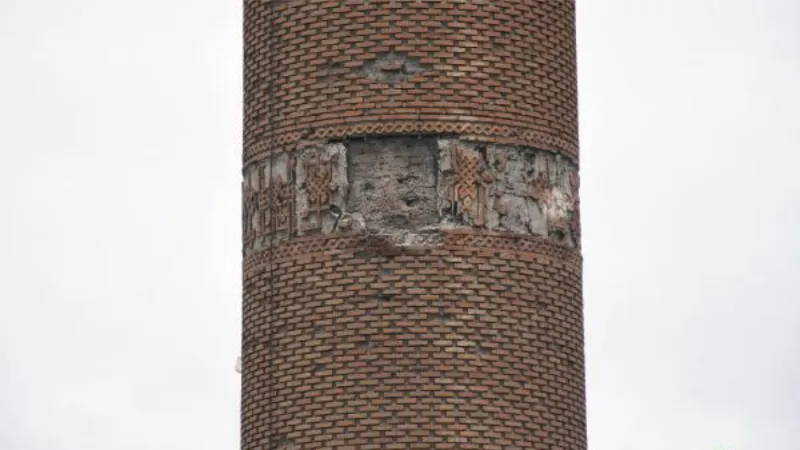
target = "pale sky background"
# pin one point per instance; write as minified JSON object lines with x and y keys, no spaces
{"x":120,"y":144}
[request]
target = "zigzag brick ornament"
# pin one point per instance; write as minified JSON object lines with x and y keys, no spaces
{"x":411,"y":229}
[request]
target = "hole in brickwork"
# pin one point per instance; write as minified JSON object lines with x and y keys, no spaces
{"x":410,"y":199}
{"x":402,"y":179}
{"x":366,"y":345}
{"x":445,"y":316}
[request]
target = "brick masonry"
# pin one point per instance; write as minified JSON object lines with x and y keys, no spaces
{"x":351,"y":342}
{"x":497,"y":70}
{"x":411,"y":230}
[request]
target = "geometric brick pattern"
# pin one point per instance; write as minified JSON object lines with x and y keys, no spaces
{"x":474,"y":344}
{"x":501,"y":70}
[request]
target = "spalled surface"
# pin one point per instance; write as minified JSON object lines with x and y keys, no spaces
{"x":394,"y":182}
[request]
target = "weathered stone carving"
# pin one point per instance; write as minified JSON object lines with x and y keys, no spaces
{"x":321,"y":186}
{"x":267,"y":202}
{"x":279,"y":196}
{"x":467,"y":179}
{"x":508,"y":188}
{"x":250,"y":212}
{"x":293,"y":193}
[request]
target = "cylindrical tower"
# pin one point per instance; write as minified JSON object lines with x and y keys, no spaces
{"x":412,"y":267}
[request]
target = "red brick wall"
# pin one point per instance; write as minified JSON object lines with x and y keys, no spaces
{"x":498,"y":70}
{"x":474,"y":345}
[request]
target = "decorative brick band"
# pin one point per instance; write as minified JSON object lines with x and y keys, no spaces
{"x":291,"y":139}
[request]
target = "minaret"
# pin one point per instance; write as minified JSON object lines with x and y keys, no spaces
{"x":411,"y":235}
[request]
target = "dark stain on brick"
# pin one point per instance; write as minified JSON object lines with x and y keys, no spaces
{"x":392,"y":68}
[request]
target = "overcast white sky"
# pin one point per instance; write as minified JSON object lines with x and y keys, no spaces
{"x":119,"y":240}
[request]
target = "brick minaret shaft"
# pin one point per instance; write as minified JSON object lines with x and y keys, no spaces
{"x":412,"y":266}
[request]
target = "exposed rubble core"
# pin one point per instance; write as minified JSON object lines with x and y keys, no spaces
{"x":393,"y":184}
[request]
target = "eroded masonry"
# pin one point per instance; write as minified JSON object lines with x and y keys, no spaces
{"x":410,"y":190}
{"x":412,"y":271}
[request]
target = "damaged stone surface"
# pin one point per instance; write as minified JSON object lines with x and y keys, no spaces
{"x":393,"y":182}
{"x":408,"y":190}
{"x":393,"y":188}
{"x":293,"y":194}
{"x":508,"y":188}
{"x":321,"y":186}
{"x":268,"y":200}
